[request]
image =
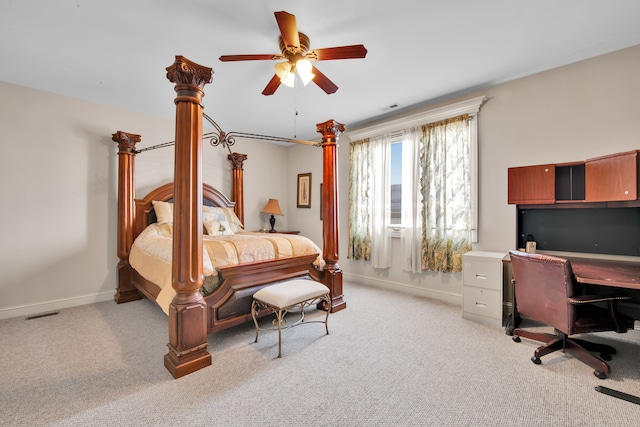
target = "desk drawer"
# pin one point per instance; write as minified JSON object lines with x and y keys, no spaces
{"x":484,"y":274}
{"x":481,"y":301}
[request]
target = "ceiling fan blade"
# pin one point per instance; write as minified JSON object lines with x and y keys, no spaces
{"x":272,"y":86}
{"x":288,"y":29}
{"x":258,"y":57}
{"x":341,"y":52}
{"x":323,"y":81}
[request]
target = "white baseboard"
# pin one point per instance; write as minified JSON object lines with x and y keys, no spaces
{"x":45,"y":307}
{"x":449,"y":297}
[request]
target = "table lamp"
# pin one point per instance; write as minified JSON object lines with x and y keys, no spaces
{"x":272,"y":207}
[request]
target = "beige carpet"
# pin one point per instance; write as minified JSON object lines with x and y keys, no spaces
{"x":390,"y":359}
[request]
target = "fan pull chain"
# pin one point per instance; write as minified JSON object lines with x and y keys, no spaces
{"x":295,"y":111}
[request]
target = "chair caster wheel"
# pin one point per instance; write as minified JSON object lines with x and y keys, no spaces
{"x":601,"y":375}
{"x":516,"y":339}
{"x":536,"y":360}
{"x":605,"y":356}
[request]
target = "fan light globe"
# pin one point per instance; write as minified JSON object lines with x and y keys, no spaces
{"x":304,"y":67}
{"x":289,"y":80}
{"x":282,"y":69}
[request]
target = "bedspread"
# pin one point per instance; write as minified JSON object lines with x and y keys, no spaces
{"x":152,"y":250}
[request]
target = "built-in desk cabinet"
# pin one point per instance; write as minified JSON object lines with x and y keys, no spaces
{"x":532,"y":184}
{"x":590,"y":206}
{"x":610,"y":178}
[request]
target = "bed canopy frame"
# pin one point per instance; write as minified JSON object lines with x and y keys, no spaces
{"x":191,"y":316}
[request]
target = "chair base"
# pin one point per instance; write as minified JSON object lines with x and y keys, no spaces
{"x":580,"y":349}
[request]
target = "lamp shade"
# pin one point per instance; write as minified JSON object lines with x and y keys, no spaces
{"x":272,"y":207}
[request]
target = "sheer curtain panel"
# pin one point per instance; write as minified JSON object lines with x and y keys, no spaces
{"x":411,"y":200}
{"x":381,"y":201}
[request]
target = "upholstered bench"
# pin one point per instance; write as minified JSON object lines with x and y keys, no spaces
{"x":290,"y":296}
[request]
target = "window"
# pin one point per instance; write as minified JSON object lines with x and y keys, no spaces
{"x":418,"y":173}
{"x":396,"y":183}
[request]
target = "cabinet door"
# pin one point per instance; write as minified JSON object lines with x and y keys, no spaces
{"x":612,"y":178}
{"x":532,"y":185}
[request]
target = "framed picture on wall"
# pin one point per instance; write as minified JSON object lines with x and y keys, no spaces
{"x":304,"y":190}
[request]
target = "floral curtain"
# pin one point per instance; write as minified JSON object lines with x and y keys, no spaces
{"x":370,"y":201}
{"x":445,"y":161}
{"x":359,"y":232}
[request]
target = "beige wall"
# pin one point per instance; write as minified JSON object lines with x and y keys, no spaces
{"x":58,"y":188}
{"x":571,"y":113}
{"x":58,"y":173}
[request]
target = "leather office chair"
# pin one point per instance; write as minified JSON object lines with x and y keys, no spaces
{"x":546,"y":291}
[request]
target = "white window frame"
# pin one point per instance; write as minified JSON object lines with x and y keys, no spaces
{"x":471,"y":107}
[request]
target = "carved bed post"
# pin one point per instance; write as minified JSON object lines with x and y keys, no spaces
{"x":125,"y":292}
{"x":332,"y":274}
{"x":188,"y":310}
{"x":237,"y":161}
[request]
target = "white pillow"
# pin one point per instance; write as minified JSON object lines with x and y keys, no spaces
{"x":218,"y":228}
{"x":164,"y":211}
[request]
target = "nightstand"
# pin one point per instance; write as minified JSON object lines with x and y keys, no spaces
{"x":280,"y":232}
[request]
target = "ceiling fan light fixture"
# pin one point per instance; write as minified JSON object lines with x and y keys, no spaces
{"x":295,"y":53}
{"x":289,"y":80}
{"x":283,"y":69}
{"x":304,"y":68}
{"x":307,"y":78}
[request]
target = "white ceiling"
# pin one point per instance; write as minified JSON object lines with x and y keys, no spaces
{"x":115,"y":52}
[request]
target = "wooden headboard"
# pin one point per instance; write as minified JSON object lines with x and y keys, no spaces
{"x":145,"y":214}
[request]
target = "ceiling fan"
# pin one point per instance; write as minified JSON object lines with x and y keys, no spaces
{"x":295,"y":51}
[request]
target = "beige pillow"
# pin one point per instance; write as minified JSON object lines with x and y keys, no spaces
{"x":212,"y":214}
{"x":234,"y":221}
{"x":164,"y":211}
{"x":225,"y":214}
{"x":218,"y":228}
{"x":165,"y":229}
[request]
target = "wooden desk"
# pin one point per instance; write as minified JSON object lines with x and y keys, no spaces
{"x":606,"y":272}
{"x":596,"y":272}
{"x":600,"y":272}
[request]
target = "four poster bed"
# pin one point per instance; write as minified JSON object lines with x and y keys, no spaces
{"x":205,"y":281}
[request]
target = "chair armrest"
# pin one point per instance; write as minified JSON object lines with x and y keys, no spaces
{"x":590,"y":299}
{"x":612,"y":302}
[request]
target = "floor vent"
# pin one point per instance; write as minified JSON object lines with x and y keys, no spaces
{"x":37,"y":316}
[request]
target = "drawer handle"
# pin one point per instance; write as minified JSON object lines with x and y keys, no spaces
{"x":480,"y":304}
{"x":481,"y":276}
